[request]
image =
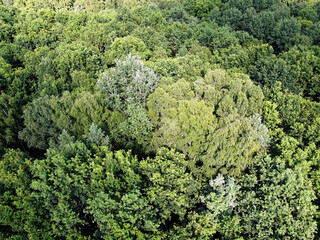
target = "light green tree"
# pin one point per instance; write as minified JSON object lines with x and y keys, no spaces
{"x":276,"y":202}
{"x":169,"y":185}
{"x":200,"y":8}
{"x":121,"y":47}
{"x":214,"y":123}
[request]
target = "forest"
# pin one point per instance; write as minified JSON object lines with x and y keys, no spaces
{"x":159,"y":119}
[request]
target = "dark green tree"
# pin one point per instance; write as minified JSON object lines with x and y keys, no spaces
{"x":286,"y":34}
{"x":116,"y":202}
{"x":39,"y":123}
{"x":268,"y":70}
{"x":22,"y":215}
{"x":61,"y":183}
{"x":9,"y":122}
{"x":136,"y":132}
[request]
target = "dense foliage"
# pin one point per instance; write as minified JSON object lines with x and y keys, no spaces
{"x":168,"y":119}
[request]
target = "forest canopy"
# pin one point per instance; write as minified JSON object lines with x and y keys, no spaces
{"x":159,"y":119}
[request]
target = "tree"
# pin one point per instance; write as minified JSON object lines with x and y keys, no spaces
{"x":314,"y":32}
{"x":9,"y":122}
{"x":276,"y":202}
{"x":116,"y":201}
{"x":188,"y":67}
{"x":93,"y":193}
{"x":46,"y":117}
{"x":262,"y":25}
{"x":286,"y":33}
{"x":186,"y":128}
{"x":60,"y":182}
{"x":201,"y":8}
{"x":152,"y":38}
{"x":218,"y":38}
{"x":136,"y":132}
{"x":52,"y":4}
{"x":304,"y":64}
{"x":40,"y":127}
{"x":232,"y":148}
{"x":96,"y":137}
{"x":267,"y":71}
{"x":5,"y":74}
{"x":170,"y":188}
{"x":220,"y":204}
{"x":75,"y":112}
{"x":122,"y":47}
{"x":22,"y":215}
{"x":211,"y":122}
{"x":231,"y":17}
{"x":265,"y":4}
{"x":178,"y":14}
{"x":242,"y":5}
{"x":130,"y":82}
{"x":76,"y":56}
{"x":299,"y":117}
{"x":35,"y":29}
{"x":176,"y":35}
